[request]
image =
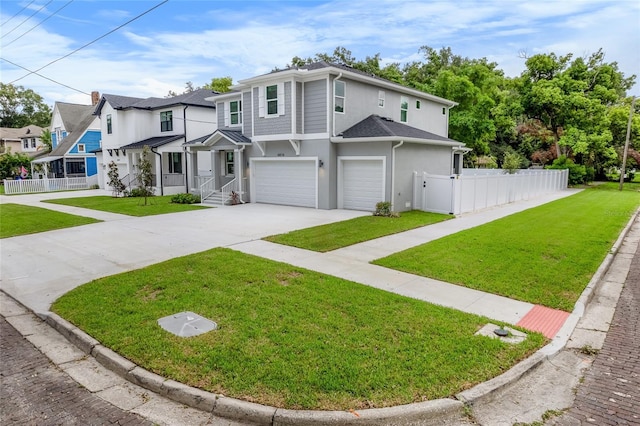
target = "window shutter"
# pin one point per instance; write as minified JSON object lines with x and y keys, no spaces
{"x":261,"y":102}
{"x":226,"y":114}
{"x":280,"y":98}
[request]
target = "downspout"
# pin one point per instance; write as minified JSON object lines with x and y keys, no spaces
{"x":393,"y":171}
{"x":333,"y":133}
{"x":184,"y":149}
{"x":161,"y":185}
{"x":241,"y":164}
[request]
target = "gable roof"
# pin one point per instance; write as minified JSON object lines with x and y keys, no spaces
{"x":11,"y":133}
{"x":234,"y":136}
{"x":376,"y":127}
{"x":153,"y":142}
{"x":76,"y":119}
{"x":196,"y":98}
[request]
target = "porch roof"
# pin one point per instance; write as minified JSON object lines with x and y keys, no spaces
{"x":153,"y":142}
{"x":47,"y":159}
{"x":234,"y":136}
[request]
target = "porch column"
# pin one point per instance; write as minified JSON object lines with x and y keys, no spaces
{"x":158,"y":163}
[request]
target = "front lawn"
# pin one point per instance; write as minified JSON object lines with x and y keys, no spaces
{"x":545,"y":255}
{"x":17,"y":219}
{"x":289,"y":337}
{"x":132,"y":206}
{"x":333,"y":236}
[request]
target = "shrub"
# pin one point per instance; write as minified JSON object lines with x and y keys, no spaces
{"x":185,"y":199}
{"x":383,"y":208}
{"x":577,"y":172}
{"x":139,"y":192}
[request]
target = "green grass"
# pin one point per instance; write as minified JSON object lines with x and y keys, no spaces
{"x":545,"y":255}
{"x":289,"y":337}
{"x":16,"y":219}
{"x":333,"y":236}
{"x":132,"y":206}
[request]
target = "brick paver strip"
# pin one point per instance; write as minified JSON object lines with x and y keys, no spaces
{"x":35,"y":392}
{"x":544,"y":320}
{"x":610,"y":393}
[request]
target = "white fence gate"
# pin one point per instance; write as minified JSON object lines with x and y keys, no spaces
{"x":465,"y":193}
{"x":31,"y":186}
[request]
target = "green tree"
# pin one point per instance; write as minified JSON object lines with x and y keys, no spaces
{"x":20,"y":107}
{"x":114,"y":180}
{"x":145,"y":174}
{"x":45,"y":138}
{"x":219,"y":84}
{"x":11,"y":164}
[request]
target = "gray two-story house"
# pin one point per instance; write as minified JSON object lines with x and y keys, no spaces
{"x":325,"y":136}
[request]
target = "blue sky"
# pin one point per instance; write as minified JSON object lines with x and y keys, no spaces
{"x":194,"y":41}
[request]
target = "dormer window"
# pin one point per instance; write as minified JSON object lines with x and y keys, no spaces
{"x":166,"y":121}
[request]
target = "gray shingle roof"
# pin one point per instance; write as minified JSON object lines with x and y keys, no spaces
{"x":153,"y":142}
{"x":76,"y":118}
{"x":234,"y":135}
{"x":375,"y":126}
{"x":196,"y":98}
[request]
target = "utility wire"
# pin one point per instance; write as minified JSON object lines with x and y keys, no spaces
{"x":18,"y":13}
{"x":89,"y":44}
{"x":17,"y":26}
{"x":41,"y":22}
{"x":46,"y":78}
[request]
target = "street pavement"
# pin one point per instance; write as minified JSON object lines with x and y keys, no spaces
{"x":61,"y":260}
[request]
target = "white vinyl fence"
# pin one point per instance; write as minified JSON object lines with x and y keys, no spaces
{"x":465,"y":193}
{"x":30,"y":186}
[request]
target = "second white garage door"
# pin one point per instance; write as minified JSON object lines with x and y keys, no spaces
{"x":291,"y":182}
{"x":360,"y":182}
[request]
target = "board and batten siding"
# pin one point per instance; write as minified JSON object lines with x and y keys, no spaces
{"x":272,"y":125}
{"x":315,"y":106}
{"x":299,"y":100}
{"x":246,"y":114}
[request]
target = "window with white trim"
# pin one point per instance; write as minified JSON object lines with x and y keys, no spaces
{"x":404,"y":108}
{"x":175,"y":162}
{"x":109,"y":124}
{"x":166,"y":121}
{"x":25,"y":143}
{"x":33,"y":142}
{"x":417,"y":104}
{"x":339,"y":89}
{"x":81,"y":147}
{"x":235,"y":113}
{"x":271,"y":95}
{"x":381,"y":98}
{"x":229,"y":163}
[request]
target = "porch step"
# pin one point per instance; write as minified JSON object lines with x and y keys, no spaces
{"x":216,"y":200}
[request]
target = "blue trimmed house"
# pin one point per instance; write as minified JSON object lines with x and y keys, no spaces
{"x":75,"y":136}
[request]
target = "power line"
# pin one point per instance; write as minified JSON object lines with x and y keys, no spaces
{"x":19,"y":12}
{"x":46,"y":78}
{"x":40,"y":23}
{"x":16,"y":27}
{"x":90,"y":43}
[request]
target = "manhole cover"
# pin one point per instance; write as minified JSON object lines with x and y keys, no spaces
{"x":187,"y":324}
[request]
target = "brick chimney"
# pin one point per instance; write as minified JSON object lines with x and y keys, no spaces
{"x":95,"y":98}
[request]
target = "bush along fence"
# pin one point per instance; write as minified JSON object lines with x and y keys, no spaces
{"x":457,"y":194}
{"x":31,"y":186}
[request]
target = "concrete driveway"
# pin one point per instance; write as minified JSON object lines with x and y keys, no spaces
{"x":37,"y":269}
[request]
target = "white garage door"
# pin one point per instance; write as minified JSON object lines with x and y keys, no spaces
{"x":362,"y":183}
{"x":289,"y":182}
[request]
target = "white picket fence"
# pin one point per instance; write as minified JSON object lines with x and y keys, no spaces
{"x":466,"y":193}
{"x":31,"y":186}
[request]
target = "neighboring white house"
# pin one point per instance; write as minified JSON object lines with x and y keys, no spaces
{"x":129,"y":124}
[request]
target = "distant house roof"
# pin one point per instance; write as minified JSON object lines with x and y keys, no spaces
{"x":196,"y":98}
{"x":77,"y":119}
{"x":16,"y":134}
{"x":233,"y":135}
{"x":153,"y":142}
{"x":375,"y":126}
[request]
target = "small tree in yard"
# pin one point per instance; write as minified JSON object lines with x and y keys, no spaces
{"x":114,"y":180}
{"x":511,"y":162}
{"x":145,"y":175}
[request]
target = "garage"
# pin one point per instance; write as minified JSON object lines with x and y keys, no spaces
{"x":290,"y":181}
{"x":360,"y":182}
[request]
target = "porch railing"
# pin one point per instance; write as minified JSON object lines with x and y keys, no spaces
{"x":207,"y":188}
{"x":31,"y":186}
{"x":228,"y":190}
